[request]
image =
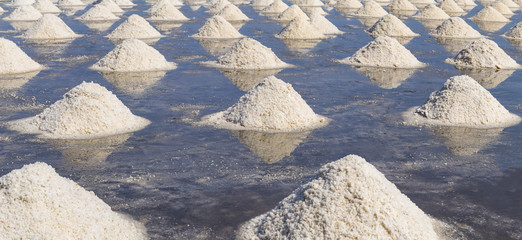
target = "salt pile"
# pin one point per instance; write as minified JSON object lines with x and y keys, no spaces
{"x":450,"y":6}
{"x":24,"y":13}
{"x":515,"y":32}
{"x":353,"y":4}
{"x":217,"y":27}
{"x":159,"y":4}
{"x":70,"y":3}
{"x":462,"y":101}
{"x":510,"y":4}
{"x":483,"y":53}
{"x":455,"y":27}
{"x":86,"y":111}
{"x":261,"y":3}
{"x":309,"y":3}
{"x":401,"y":5}
{"x":217,"y":6}
{"x":177,"y":3}
{"x":326,"y":27}
{"x":134,"y":27}
{"x":300,"y":28}
{"x":232,"y":13}
{"x":167,"y":12}
{"x":502,"y":8}
{"x":98,"y":13}
{"x":291,"y":13}
{"x":271,"y":105}
{"x":133,"y":55}
{"x":384,"y":52}
{"x":431,"y":12}
{"x":466,"y":3}
{"x":489,"y":14}
{"x":111,"y":5}
{"x":37,"y":203}
{"x":46,"y":6}
{"x":124,"y":3}
{"x":49,"y":27}
{"x":347,"y":199}
{"x":13,"y":60}
{"x":391,"y":26}
{"x":17,"y":3}
{"x":371,"y":9}
{"x":1,"y":10}
{"x":278,"y":6}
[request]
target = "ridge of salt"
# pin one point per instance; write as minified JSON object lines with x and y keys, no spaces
{"x":292,"y":12}
{"x":371,"y":9}
{"x":401,"y":5}
{"x":14,"y":60}
{"x":167,"y":12}
{"x":46,"y":6}
{"x":502,"y":8}
{"x":323,"y":24}
{"x":515,"y":32}
{"x":300,"y":28}
{"x":489,"y":14}
{"x":134,"y":27}
{"x":455,"y":27}
{"x":278,"y":6}
{"x":218,"y":28}
{"x":49,"y":27}
{"x":431,"y":12}
{"x":483,"y":53}
{"x":232,"y":13}
{"x":450,"y":6}
{"x":98,"y":13}
{"x":391,"y":26}
{"x":23,"y":13}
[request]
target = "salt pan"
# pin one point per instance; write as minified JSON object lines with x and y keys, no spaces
{"x":46,"y":6}
{"x":134,"y":27}
{"x":326,"y":27}
{"x":278,"y":6}
{"x":515,"y":32}
{"x":217,"y":27}
{"x":292,"y":12}
{"x":49,"y":27}
{"x":167,"y":12}
{"x":371,"y":9}
{"x":391,"y":26}
{"x":431,"y":12}
{"x":13,"y":60}
{"x":401,"y":5}
{"x":98,"y":13}
{"x":455,"y":27}
{"x":300,"y":28}
{"x":489,"y":14}
{"x":232,"y":13}
{"x":24,"y":13}
{"x":483,"y":53}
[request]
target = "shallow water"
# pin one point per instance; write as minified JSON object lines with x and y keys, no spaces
{"x":190,"y":182}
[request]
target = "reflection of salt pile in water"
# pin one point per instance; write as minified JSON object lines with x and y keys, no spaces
{"x":167,"y":12}
{"x":502,"y":8}
{"x":98,"y":13}
{"x":300,"y":28}
{"x":465,"y":141}
{"x":401,"y":5}
{"x":462,"y":101}
{"x":387,"y":78}
{"x":383,"y":52}
{"x":450,"y":6}
{"x":487,"y":77}
{"x":49,"y":27}
{"x":272,"y":105}
{"x":134,"y":83}
{"x":371,"y":9}
{"x":23,"y":13}
{"x":326,"y":27}
{"x":37,"y":203}
{"x":347,"y":199}
{"x":217,"y":27}
{"x":15,"y":81}
{"x":489,"y":14}
{"x":431,"y":12}
{"x":483,"y":53}
{"x":515,"y":32}
{"x":89,"y":151}
{"x":291,"y":13}
{"x":13,"y":60}
{"x":247,"y":79}
{"x":46,"y":6}
{"x":278,"y":6}
{"x":134,"y":27}
{"x":232,"y":13}
{"x":390,"y":26}
{"x":455,"y":27}
{"x":111,"y":5}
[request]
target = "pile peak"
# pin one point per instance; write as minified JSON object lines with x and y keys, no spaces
{"x":14,"y":60}
{"x":98,"y":13}
{"x":217,"y":6}
{"x":391,"y":26}
{"x":111,"y":5}
{"x":46,"y":6}
{"x":489,"y":14}
{"x":232,"y":13}
{"x":402,"y":5}
{"x":134,"y":27}
{"x":502,"y":8}
{"x":431,"y":12}
{"x":49,"y":27}
{"x":483,"y":53}
{"x":371,"y":9}
{"x":300,"y":28}
{"x":292,"y":12}
{"x":278,"y":6}
{"x":350,"y":4}
{"x":217,"y":27}
{"x":455,"y":27}
{"x":450,"y":6}
{"x":167,"y":12}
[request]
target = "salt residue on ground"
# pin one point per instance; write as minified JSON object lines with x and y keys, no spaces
{"x":371,"y":9}
{"x":455,"y":27}
{"x":49,"y":27}
{"x":489,"y":14}
{"x":390,"y":26}
{"x":483,"y":53}
{"x":98,"y":13}
{"x":300,"y":28}
{"x":431,"y":12}
{"x":134,"y":27}
{"x":13,"y":60}
{"x":23,"y":13}
{"x":217,"y":27}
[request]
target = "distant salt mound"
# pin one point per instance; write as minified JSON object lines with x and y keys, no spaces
{"x":111,"y":5}
{"x":347,"y":199}
{"x":24,"y":13}
{"x":309,"y":3}
{"x":326,"y":27}
{"x":489,"y":14}
{"x":49,"y":27}
{"x":390,"y":26}
{"x":450,"y":6}
{"x":384,"y":52}
{"x":124,"y":3}
{"x":17,"y":3}
{"x":133,"y":55}
{"x":37,"y":203}
{"x":466,"y":3}
{"x":217,"y":6}
{"x":271,"y":105}
{"x":455,"y":27}
{"x":261,"y":3}
{"x":177,"y":3}
{"x":515,"y":32}
{"x":218,"y":28}
{"x":98,"y":13}
{"x":46,"y":6}
{"x":352,"y":4}
{"x":371,"y":9}
{"x":431,"y":12}
{"x":232,"y":13}
{"x":502,"y":8}
{"x":13,"y":60}
{"x":510,"y":4}
{"x":401,"y":5}
{"x":134,"y":27}
{"x":300,"y":28}
{"x":70,"y":3}
{"x":291,"y":13}
{"x":167,"y":12}
{"x":483,"y":53}
{"x":278,"y":6}
{"x":462,"y":101}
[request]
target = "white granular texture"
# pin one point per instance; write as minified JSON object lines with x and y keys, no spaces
{"x":502,"y":8}
{"x":86,"y":111}
{"x":431,"y":12}
{"x":401,"y":5}
{"x":489,"y":14}
{"x":292,"y":12}
{"x":384,"y":52}
{"x":24,"y":13}
{"x":466,"y":3}
{"x":510,"y":3}
{"x":278,"y":6}
{"x":300,"y":28}
{"x":309,"y":3}
{"x":371,"y":9}
{"x":14,"y":60}
{"x":515,"y":32}
{"x":133,"y":55}
{"x":326,"y":27}
{"x":353,"y":4}
{"x":455,"y":27}
{"x":218,"y":28}
{"x":124,"y":3}
{"x":462,"y":101}
{"x":450,"y":6}
{"x":158,"y":5}
{"x":49,"y":27}
{"x":391,"y":26}
{"x":217,"y":6}
{"x":167,"y":12}
{"x":483,"y":53}
{"x":46,"y":6}
{"x":98,"y":13}
{"x":271,"y":105}
{"x":111,"y":5}
{"x":261,"y":3}
{"x":347,"y":199}
{"x":177,"y":3}
{"x":232,"y":13}
{"x":17,"y":3}
{"x":70,"y":3}
{"x":134,"y":27}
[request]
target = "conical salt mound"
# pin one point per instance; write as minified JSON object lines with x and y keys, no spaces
{"x":98,"y":13}
{"x":489,"y":14}
{"x":134,"y":27}
{"x":217,"y":6}
{"x":70,"y":3}
{"x":353,"y":4}
{"x":462,"y":101}
{"x":159,"y":4}
{"x":232,"y":13}
{"x":133,"y":55}
{"x":309,"y":3}
{"x":46,"y":6}
{"x":466,"y":3}
{"x":510,"y":4}
{"x":371,"y":9}
{"x":401,"y":5}
{"x":291,"y":13}
{"x":13,"y":60}
{"x":124,"y":3}
{"x":431,"y":12}
{"x":450,"y":6}
{"x":86,"y":111}
{"x":17,"y":3}
{"x":271,"y":105}
{"x":515,"y":32}
{"x":24,"y":13}
{"x":217,"y":27}
{"x":347,"y":199}
{"x":502,"y":8}
{"x":326,"y":27}
{"x":261,"y":3}
{"x":300,"y":28}
{"x":37,"y":203}
{"x":391,"y":26}
{"x":177,"y":3}
{"x":111,"y":5}
{"x":384,"y":52}
{"x":278,"y":6}
{"x":49,"y":27}
{"x":455,"y":27}
{"x":167,"y":12}
{"x":483,"y":53}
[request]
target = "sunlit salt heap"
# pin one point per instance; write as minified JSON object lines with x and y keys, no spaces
{"x":462,"y":101}
{"x":489,"y":14}
{"x":354,"y":4}
{"x":217,"y":27}
{"x":300,"y":28}
{"x":167,"y":12}
{"x":347,"y":199}
{"x":510,"y":4}
{"x":450,"y":6}
{"x":455,"y":27}
{"x":134,"y":27}
{"x":431,"y":12}
{"x":278,"y":6}
{"x":466,"y":3}
{"x":232,"y":13}
{"x":86,"y":111}
{"x":261,"y":3}
{"x":291,"y":13}
{"x":70,"y":3}
{"x":483,"y":53}
{"x":371,"y":9}
{"x":46,"y":6}
{"x":98,"y":13}
{"x":502,"y":8}
{"x":17,"y":3}
{"x":217,"y":6}
{"x":49,"y":27}
{"x":326,"y":27}
{"x":13,"y":60}
{"x":111,"y":5}
{"x":37,"y":203}
{"x":24,"y":13}
{"x":384,"y":52}
{"x":133,"y":55}
{"x":271,"y":105}
{"x":157,"y":5}
{"x":391,"y":26}
{"x":401,"y":5}
{"x":124,"y":3}
{"x":515,"y":32}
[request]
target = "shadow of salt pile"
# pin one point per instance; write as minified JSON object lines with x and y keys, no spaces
{"x":453,"y":45}
{"x":463,"y":141}
{"x":10,"y":82}
{"x":134,"y":83}
{"x":368,"y":21}
{"x":246,"y":79}
{"x":217,"y":47}
{"x":99,"y":26}
{"x":302,"y":46}
{"x":166,"y":26}
{"x":488,"y":78}
{"x":490,"y":27}
{"x":387,"y":78}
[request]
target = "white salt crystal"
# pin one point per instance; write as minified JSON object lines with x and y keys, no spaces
{"x":455,"y":27}
{"x":46,"y":6}
{"x":450,"y":6}
{"x":489,"y":14}
{"x":401,"y":5}
{"x":371,"y":9}
{"x":431,"y":12}
{"x":167,"y":12}
{"x":24,"y":13}
{"x":483,"y":53}
{"x":391,"y":26}
{"x":134,"y":27}
{"x":98,"y":13}
{"x":49,"y":27}
{"x":515,"y":32}
{"x":232,"y":13}
{"x":326,"y":27}
{"x":278,"y":6}
{"x":13,"y":60}
{"x":300,"y":28}
{"x":217,"y":27}
{"x":292,"y":12}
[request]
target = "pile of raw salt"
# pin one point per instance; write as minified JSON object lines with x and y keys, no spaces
{"x":86,"y":111}
{"x":431,"y":12}
{"x":347,"y":199}
{"x":37,"y":203}
{"x":502,"y":8}
{"x":510,"y":4}
{"x":483,"y":53}
{"x":218,"y":28}
{"x":217,"y":6}
{"x":134,"y":27}
{"x":466,"y":3}
{"x":351,"y":4}
{"x":450,"y":6}
{"x":124,"y":3}
{"x":278,"y":6}
{"x":46,"y":6}
{"x":167,"y":12}
{"x":70,"y":3}
{"x":111,"y":5}
{"x":49,"y":27}
{"x":326,"y":27}
{"x":371,"y":9}
{"x":98,"y":13}
{"x":300,"y":28}
{"x":272,"y":105}
{"x":455,"y":27}
{"x":401,"y":5}
{"x":291,"y":13}
{"x":515,"y":32}
{"x":24,"y":13}
{"x":390,"y":26}
{"x":489,"y":14}
{"x":232,"y":13}
{"x":13,"y":60}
